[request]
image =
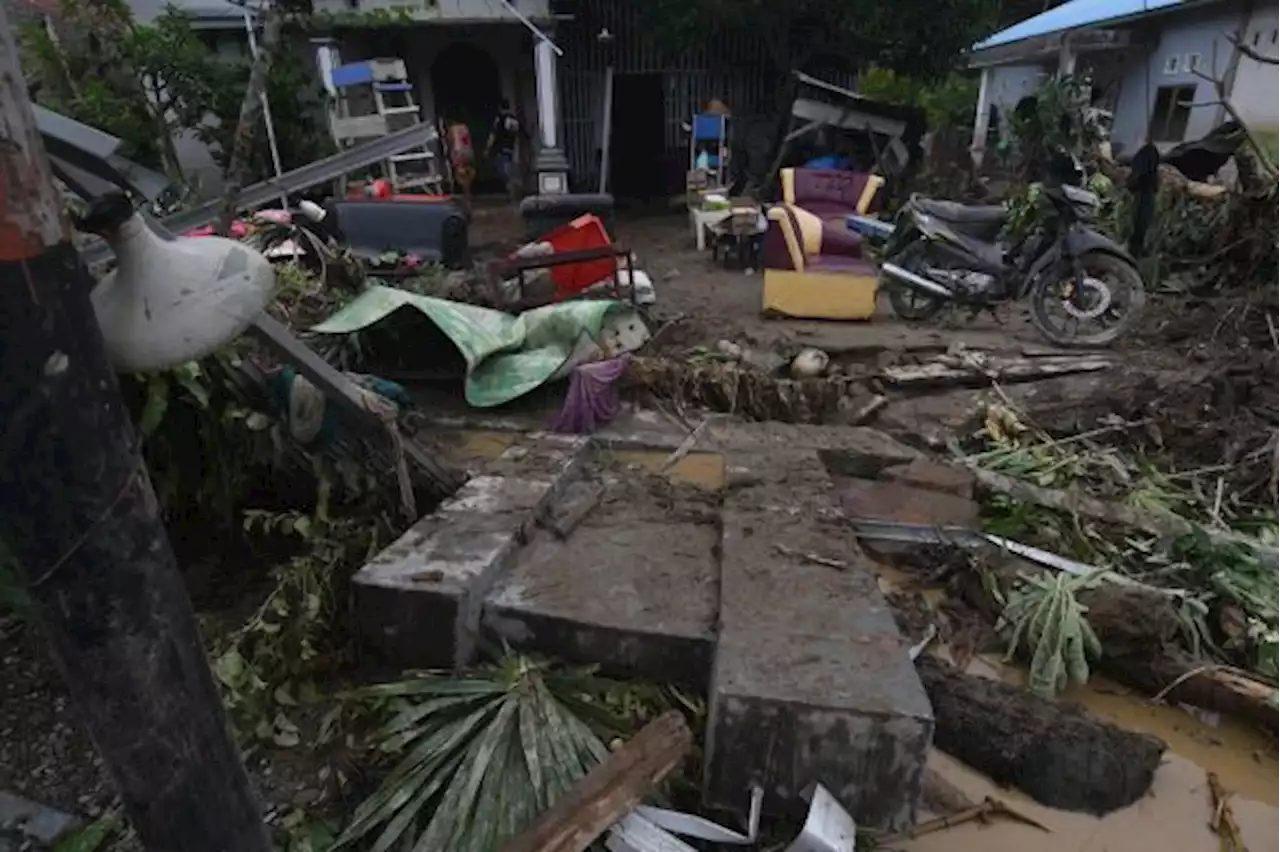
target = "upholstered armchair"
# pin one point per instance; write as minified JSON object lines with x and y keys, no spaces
{"x":802,"y":280}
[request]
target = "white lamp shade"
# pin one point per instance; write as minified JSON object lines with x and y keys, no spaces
{"x":172,"y":301}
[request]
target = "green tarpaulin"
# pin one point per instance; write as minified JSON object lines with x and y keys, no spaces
{"x":507,"y":356}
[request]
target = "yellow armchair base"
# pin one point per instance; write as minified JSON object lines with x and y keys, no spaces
{"x":820,"y":295}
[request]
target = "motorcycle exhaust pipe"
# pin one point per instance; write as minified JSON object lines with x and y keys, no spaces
{"x":919,"y":282}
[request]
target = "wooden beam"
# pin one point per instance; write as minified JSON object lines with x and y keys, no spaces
{"x":610,"y":790}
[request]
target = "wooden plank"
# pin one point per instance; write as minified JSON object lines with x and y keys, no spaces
{"x":610,"y":790}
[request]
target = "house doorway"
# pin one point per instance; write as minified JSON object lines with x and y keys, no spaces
{"x":467,"y":87}
{"x":637,"y":144}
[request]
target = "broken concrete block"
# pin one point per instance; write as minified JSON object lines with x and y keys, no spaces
{"x":419,"y":601}
{"x":812,"y":682}
{"x":732,"y":436}
{"x":935,"y":476}
{"x":414,"y":599}
{"x":779,"y":591}
{"x":890,"y":501}
{"x":636,"y":599}
{"x":790,"y":710}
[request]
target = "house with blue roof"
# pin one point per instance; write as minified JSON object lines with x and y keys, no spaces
{"x":1148,"y":60}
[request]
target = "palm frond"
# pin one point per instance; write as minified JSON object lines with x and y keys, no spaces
{"x":483,"y":755}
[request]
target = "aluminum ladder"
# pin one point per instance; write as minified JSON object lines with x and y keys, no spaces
{"x":375,"y":98}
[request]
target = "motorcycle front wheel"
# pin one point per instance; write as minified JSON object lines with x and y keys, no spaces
{"x":907,"y":302}
{"x":1109,"y":306}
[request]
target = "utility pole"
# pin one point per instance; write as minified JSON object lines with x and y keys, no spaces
{"x":79,"y":515}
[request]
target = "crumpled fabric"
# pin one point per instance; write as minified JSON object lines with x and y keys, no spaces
{"x":592,"y":400}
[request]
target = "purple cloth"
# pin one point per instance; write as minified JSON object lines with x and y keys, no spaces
{"x":592,"y":400}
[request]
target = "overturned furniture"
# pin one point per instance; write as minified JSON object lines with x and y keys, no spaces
{"x":891,"y":133}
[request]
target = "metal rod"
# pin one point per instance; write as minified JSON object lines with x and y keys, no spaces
{"x":266,"y":106}
{"x":532,"y":27}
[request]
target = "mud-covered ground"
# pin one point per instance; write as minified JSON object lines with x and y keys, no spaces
{"x":1205,"y":357}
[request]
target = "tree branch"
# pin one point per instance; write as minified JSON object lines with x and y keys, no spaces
{"x":1251,"y":52}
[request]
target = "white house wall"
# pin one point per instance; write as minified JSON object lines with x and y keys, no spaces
{"x":1256,"y":92}
{"x":1205,"y":32}
{"x":1011,"y":83}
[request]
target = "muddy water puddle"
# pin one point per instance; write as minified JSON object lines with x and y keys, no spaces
{"x":1174,"y":815}
{"x":702,"y":470}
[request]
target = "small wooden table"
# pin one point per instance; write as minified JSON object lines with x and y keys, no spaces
{"x":731,"y":241}
{"x":703,"y":219}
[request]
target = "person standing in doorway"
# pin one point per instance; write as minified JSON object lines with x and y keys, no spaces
{"x":502,"y":145}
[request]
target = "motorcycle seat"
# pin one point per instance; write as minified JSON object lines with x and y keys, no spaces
{"x":950,"y":211}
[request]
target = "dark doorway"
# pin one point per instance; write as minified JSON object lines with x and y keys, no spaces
{"x":467,"y":87}
{"x":636,"y":150}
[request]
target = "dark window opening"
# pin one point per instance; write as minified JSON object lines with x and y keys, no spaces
{"x":1171,"y":113}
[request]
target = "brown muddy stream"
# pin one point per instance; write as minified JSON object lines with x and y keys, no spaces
{"x":1174,"y":816}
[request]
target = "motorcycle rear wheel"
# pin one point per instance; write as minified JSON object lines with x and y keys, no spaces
{"x":1118,"y":275}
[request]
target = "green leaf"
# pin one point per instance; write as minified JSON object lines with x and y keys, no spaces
{"x":229,"y":668}
{"x":91,"y":837}
{"x":157,"y":403}
{"x":188,"y":377}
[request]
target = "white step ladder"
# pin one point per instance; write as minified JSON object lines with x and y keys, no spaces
{"x":375,"y":98}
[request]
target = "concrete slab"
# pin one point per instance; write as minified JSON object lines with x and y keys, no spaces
{"x":812,"y":681}
{"x":892,"y":501}
{"x":418,"y":602}
{"x":736,"y":436}
{"x":637,"y":599}
{"x":932,"y":475}
{"x":789,"y":710}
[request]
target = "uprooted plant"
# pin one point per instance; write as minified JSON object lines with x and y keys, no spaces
{"x":1044,"y":615}
{"x":1217,"y":568}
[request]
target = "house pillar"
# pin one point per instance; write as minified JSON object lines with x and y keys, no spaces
{"x":550,"y":163}
{"x":981,"y":118}
{"x":1066,"y":57}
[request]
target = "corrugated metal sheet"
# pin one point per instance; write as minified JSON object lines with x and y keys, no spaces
{"x":733,"y":70}
{"x":1075,"y":15}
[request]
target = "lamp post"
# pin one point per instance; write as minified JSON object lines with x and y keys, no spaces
{"x":79,"y":516}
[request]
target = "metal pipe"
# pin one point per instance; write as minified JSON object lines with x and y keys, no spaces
{"x":266,"y":105}
{"x":906,"y":276}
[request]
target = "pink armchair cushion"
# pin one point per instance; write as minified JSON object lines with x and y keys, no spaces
{"x":829,"y":193}
{"x":839,"y":240}
{"x":773,"y":250}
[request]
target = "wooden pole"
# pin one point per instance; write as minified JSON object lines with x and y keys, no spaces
{"x":80,"y":518}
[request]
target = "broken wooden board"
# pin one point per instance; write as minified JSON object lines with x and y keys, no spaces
{"x":954,"y":372}
{"x":610,"y":790}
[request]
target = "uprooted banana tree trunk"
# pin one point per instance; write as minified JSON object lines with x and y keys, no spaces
{"x":251,"y":109}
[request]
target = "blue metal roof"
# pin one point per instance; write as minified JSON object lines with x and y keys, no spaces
{"x":1075,"y":15}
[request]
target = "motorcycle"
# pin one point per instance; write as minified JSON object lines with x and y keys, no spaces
{"x":944,"y":253}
